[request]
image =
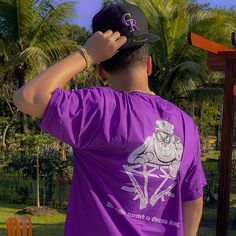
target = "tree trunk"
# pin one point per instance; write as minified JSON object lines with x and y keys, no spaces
{"x":4,"y":138}
{"x":20,"y":74}
{"x":49,"y":184}
{"x":4,"y":146}
{"x":44,"y":195}
{"x":63,"y":152}
{"x":37,"y":182}
{"x":24,"y":123}
{"x":200,"y":115}
{"x":18,"y":180}
{"x":217,"y":137}
{"x":193,"y":110}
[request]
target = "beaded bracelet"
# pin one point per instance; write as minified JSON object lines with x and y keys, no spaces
{"x":88,"y":59}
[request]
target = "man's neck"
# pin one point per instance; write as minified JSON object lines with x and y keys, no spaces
{"x":129,"y":80}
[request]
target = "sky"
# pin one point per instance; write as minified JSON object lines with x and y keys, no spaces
{"x":86,"y":9}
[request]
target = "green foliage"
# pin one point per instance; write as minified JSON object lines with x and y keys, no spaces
{"x":179,"y":68}
{"x":77,"y":34}
{"x":211,"y":190}
{"x":15,"y":188}
{"x":30,"y":143}
{"x":210,"y":117}
{"x":29,"y":152}
{"x":43,"y":146}
{"x":33,"y":35}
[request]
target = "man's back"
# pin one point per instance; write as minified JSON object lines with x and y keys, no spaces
{"x":135,"y":161}
{"x":137,"y":168}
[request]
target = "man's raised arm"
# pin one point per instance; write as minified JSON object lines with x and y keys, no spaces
{"x":34,"y":96}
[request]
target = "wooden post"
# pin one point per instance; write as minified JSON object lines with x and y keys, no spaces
{"x":226,"y":149}
{"x":233,"y":38}
{"x":222,"y":59}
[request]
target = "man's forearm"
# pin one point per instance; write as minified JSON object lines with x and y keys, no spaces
{"x":192,"y":212}
{"x":33,"y":97}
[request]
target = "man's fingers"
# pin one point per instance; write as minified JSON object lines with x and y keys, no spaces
{"x":121,"y":41}
{"x":115,"y":35}
{"x":108,"y":33}
{"x":102,"y":46}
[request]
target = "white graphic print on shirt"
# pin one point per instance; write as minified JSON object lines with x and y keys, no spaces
{"x":158,"y":157}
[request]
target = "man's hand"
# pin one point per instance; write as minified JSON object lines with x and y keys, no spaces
{"x":102,"y":46}
{"x":33,"y":97}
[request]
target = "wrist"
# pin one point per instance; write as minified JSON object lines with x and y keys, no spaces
{"x":88,"y":59}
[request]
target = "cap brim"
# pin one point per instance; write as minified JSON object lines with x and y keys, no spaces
{"x":153,"y":38}
{"x":140,"y":40}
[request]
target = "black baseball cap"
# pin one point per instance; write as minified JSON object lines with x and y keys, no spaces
{"x":128,"y":19}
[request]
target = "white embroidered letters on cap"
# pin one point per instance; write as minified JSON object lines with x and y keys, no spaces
{"x":129,"y":21}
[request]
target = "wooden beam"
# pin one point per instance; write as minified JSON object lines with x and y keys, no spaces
{"x":233,"y":38}
{"x":215,"y":62}
{"x":206,"y":44}
{"x":228,"y":55}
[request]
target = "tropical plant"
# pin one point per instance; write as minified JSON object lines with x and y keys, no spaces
{"x":179,"y":67}
{"x":33,"y":35}
{"x":26,"y":150}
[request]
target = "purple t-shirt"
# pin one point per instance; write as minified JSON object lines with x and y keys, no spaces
{"x":136,"y":159}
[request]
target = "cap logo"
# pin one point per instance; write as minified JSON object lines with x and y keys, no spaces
{"x":129,"y":21}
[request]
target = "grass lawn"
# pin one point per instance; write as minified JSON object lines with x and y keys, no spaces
{"x":53,"y":225}
{"x":42,"y":225}
{"x":215,"y":155}
{"x":205,"y":231}
{"x":209,"y":218}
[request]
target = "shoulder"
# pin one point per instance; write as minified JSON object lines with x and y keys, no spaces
{"x":179,"y":117}
{"x":92,"y":93}
{"x":176,"y":108}
{"x":99,"y":91}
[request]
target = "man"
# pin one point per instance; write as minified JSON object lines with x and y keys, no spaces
{"x":137,"y":168}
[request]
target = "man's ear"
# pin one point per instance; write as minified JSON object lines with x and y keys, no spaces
{"x":149,"y":65}
{"x":101,"y":72}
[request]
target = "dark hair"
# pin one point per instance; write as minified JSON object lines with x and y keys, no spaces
{"x":126,"y":58}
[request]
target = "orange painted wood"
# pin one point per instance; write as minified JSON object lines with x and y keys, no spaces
{"x":11,"y":226}
{"x":234,"y":90}
{"x":19,"y":226}
{"x":206,"y":44}
{"x":234,"y":93}
{"x":26,"y":225}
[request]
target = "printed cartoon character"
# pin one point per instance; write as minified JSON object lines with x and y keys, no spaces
{"x":162,"y":148}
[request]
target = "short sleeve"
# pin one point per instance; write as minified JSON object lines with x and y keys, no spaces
{"x":194,"y":181}
{"x":73,"y":116}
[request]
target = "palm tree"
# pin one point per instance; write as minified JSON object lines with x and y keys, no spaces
{"x":108,"y":2}
{"x":179,"y":67}
{"x":33,"y":35}
{"x":180,"y":73}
